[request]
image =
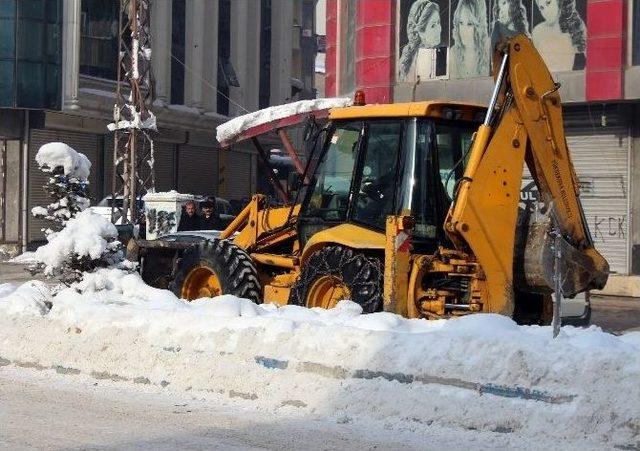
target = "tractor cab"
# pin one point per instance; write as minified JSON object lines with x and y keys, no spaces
{"x":382,"y":160}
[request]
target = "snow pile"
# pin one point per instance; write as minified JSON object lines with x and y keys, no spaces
{"x":55,"y":154}
{"x":230,"y":129}
{"x":29,"y":299}
{"x":480,"y":372}
{"x":87,"y":236}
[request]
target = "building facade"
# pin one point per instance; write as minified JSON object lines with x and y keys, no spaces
{"x":403,"y":50}
{"x":211,"y":59}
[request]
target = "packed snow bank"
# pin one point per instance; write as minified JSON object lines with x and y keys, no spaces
{"x":29,"y":299}
{"x":234,"y":127}
{"x":86,"y":235}
{"x":481,"y":372}
{"x":75,"y":164}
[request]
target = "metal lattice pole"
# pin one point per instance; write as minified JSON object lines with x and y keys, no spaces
{"x":133,"y":173}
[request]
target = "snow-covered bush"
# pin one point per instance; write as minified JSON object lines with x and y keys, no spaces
{"x":68,"y":184}
{"x":81,"y":240}
{"x":88,"y":241}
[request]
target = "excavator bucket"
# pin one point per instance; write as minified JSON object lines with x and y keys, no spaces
{"x":537,"y":241}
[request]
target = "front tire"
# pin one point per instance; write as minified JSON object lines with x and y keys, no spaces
{"x":213,"y":268}
{"x":334,"y":273}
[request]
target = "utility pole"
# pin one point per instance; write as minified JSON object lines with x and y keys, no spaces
{"x":133,"y":155}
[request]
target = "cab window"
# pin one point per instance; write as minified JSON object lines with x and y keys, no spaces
{"x":330,"y":197}
{"x":452,"y":144}
{"x":374,"y":193}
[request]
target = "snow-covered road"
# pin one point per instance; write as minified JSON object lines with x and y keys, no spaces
{"x":476,"y":376}
{"x":44,"y":410}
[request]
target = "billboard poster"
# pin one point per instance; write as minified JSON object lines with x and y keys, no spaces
{"x":471,"y":43}
{"x":423,"y":40}
{"x":452,"y":38}
{"x":560,"y":34}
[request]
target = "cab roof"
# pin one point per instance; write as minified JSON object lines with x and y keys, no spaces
{"x":434,"y":108}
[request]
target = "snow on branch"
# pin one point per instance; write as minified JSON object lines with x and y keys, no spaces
{"x":54,"y":154}
{"x":135,"y":121}
{"x":87,"y":241}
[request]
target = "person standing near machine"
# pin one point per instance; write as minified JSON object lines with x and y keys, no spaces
{"x":189,"y":220}
{"x":210,"y":220}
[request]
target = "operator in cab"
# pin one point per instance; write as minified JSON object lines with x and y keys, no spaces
{"x":189,"y":220}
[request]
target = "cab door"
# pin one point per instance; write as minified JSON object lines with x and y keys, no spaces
{"x":327,"y":198}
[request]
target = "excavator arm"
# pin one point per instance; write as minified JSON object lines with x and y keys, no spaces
{"x":523,"y":124}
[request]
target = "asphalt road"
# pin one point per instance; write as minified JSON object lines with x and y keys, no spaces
{"x":613,"y":314}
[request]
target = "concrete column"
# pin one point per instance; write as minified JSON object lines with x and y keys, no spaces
{"x":245,"y":55}
{"x":210,"y":63}
{"x":161,"y":49}
{"x":281,"y":46}
{"x":194,"y":52}
{"x":70,"y":53}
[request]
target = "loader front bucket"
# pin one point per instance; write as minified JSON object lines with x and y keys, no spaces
{"x":156,"y":259}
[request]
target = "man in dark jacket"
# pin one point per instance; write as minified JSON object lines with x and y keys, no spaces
{"x":210,"y":219}
{"x":189,"y":220}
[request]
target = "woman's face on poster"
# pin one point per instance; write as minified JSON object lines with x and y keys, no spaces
{"x":503,"y":11}
{"x":549,"y":10}
{"x":430,"y":34}
{"x":466,"y":27}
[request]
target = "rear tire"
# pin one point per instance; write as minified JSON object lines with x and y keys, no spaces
{"x":357,"y":274}
{"x":230,"y":266}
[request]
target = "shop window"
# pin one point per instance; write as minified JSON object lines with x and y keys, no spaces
{"x":178,"y":42}
{"x":99,"y":41}
{"x":347,"y":44}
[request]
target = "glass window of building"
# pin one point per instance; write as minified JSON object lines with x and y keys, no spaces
{"x":99,"y":42}
{"x":7,"y":53}
{"x":226,"y":73}
{"x":265,"y":54}
{"x":30,"y":53}
{"x":178,"y":42}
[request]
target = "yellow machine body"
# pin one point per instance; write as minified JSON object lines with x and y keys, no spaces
{"x":482,"y":220}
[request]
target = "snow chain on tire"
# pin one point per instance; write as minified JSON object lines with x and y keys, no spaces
{"x":361,"y":273}
{"x":233,"y":267}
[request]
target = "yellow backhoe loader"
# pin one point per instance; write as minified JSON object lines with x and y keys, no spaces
{"x":412,"y":208}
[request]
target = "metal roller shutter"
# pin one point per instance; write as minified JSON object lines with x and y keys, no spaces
{"x":600,"y":155}
{"x":237,"y":170}
{"x":198,"y":170}
{"x":82,"y":142}
{"x":601,"y":159}
{"x":108,"y":165}
{"x":164,"y":166}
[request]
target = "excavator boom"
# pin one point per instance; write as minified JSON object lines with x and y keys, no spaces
{"x":523,"y":124}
